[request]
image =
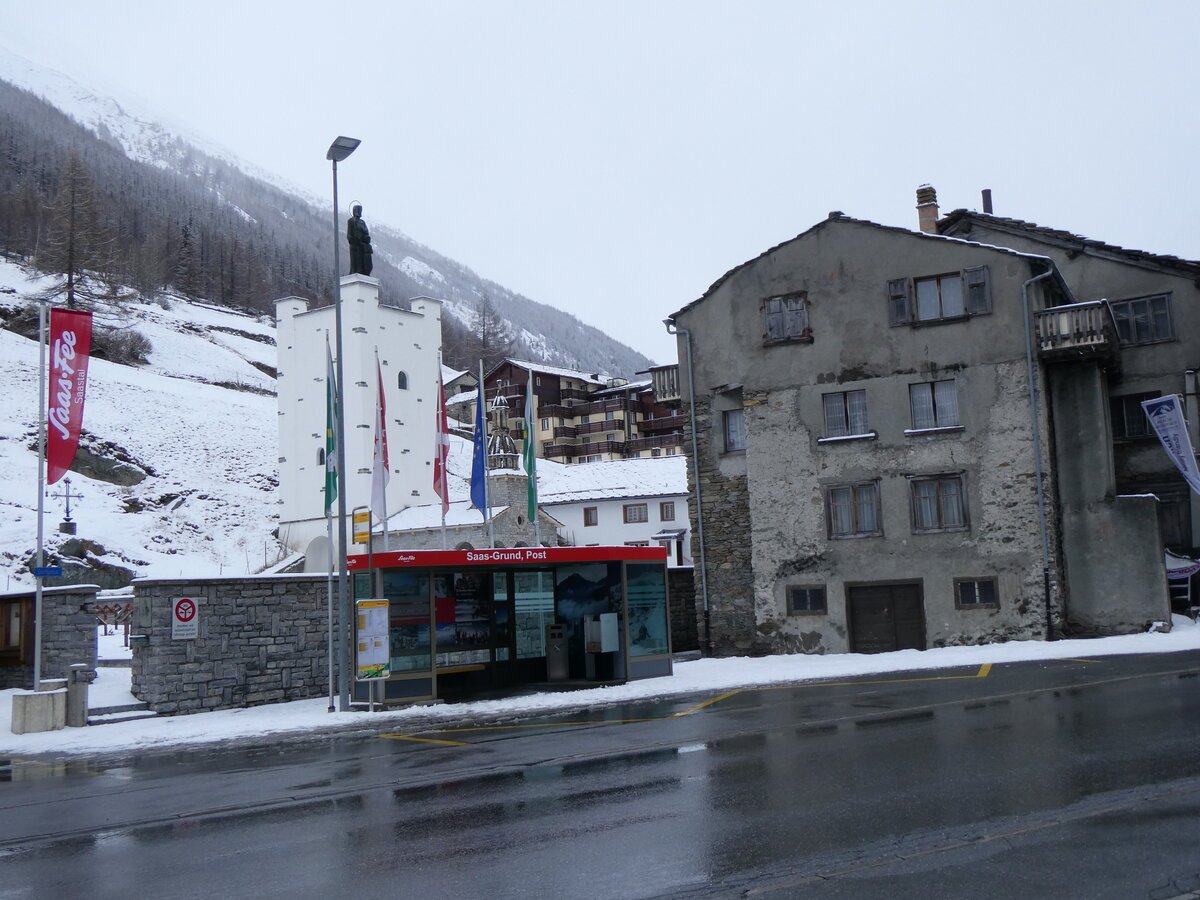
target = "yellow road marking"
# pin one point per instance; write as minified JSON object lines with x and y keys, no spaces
{"x":983,"y":672}
{"x":409,"y":737}
{"x":692,"y":709}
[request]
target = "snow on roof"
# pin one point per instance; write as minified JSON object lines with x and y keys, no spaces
{"x":655,"y":476}
{"x":592,"y":378}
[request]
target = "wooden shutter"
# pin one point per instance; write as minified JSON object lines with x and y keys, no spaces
{"x":899,"y":306}
{"x":978,"y":290}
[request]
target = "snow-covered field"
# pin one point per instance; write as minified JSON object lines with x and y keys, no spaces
{"x":703,"y":678}
{"x":210,"y":506}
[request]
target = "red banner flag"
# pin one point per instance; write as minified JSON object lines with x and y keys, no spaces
{"x":70,"y":345}
{"x":441,"y":451}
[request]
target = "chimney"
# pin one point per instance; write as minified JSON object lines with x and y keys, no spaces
{"x":927,"y":209}
{"x":987,"y":200}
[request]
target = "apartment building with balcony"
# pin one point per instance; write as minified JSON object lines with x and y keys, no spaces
{"x":582,"y":417}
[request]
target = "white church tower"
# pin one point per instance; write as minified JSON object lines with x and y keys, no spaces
{"x":407,"y":343}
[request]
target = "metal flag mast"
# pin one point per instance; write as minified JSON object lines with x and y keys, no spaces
{"x":41,"y":502}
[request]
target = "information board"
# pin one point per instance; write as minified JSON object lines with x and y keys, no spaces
{"x":185,"y":619}
{"x":374,"y":660}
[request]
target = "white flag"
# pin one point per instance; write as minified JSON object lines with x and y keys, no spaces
{"x":1166,"y":418}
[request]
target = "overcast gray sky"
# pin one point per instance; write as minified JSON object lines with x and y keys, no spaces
{"x":613,"y":159}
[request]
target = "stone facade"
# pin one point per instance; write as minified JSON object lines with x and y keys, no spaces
{"x":68,"y":634}
{"x":681,"y":593}
{"x":867,"y":342}
{"x":261,"y":640}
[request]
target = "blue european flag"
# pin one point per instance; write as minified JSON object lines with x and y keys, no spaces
{"x":479,"y":459}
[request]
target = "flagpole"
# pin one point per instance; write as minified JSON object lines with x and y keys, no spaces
{"x":41,"y":493}
{"x":531,"y":462}
{"x":442,"y":488}
{"x":382,"y":437}
{"x":329,"y":599}
{"x":487,"y":501}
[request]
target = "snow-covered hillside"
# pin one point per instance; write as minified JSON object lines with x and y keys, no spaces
{"x":200,"y":418}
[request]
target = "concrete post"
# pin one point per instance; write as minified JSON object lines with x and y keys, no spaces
{"x":79,"y":677}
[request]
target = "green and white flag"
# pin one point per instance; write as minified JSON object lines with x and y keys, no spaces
{"x":331,"y":417}
{"x":530,"y":451}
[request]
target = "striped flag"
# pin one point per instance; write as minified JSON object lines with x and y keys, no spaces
{"x":379,"y":464}
{"x":441,"y":450}
{"x":530,"y":452}
{"x":331,"y":417}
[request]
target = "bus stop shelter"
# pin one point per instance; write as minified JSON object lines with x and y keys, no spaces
{"x":464,"y":623}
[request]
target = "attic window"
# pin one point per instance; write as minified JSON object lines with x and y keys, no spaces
{"x":785,"y":318}
{"x":938,"y":298}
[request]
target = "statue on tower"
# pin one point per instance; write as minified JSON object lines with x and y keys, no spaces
{"x":359,"y":238}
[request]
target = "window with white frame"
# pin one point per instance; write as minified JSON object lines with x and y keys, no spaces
{"x":853,"y":510}
{"x":735,"y":429}
{"x":938,"y":503}
{"x":591,"y":516}
{"x":635,"y":513}
{"x":785,"y":318}
{"x":934,"y":404}
{"x":845,"y":413}
{"x":1144,"y":320}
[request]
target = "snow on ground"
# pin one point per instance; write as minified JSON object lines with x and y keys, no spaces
{"x":703,"y":677}
{"x":211,"y":506}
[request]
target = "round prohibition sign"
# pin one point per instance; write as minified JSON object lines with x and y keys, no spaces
{"x":185,"y":610}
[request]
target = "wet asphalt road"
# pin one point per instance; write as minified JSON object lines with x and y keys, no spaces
{"x":1070,"y":778}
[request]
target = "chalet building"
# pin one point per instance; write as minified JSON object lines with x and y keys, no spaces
{"x":587,"y":417}
{"x":909,"y":439}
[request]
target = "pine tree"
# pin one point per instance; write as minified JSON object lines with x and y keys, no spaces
{"x":492,"y":336}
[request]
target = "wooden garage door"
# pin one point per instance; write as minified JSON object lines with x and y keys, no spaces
{"x":886,"y":617}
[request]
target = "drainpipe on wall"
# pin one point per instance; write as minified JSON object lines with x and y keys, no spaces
{"x":1191,"y":415}
{"x":672,"y":329}
{"x":1037,"y":448}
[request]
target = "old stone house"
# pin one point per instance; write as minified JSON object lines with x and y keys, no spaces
{"x":886,"y":459}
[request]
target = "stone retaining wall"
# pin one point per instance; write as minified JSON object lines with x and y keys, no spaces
{"x":262,"y":639}
{"x":68,"y":634}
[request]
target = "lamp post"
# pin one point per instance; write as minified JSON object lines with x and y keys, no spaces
{"x":338,"y":151}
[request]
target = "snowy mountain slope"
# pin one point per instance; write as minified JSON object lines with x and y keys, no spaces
{"x":209,"y":505}
{"x":285,"y":212}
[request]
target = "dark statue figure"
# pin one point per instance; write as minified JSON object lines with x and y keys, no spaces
{"x":360,"y":243}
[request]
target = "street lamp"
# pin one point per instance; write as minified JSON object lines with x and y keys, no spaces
{"x":338,"y":151}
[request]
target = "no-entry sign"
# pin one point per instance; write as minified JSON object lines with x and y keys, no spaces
{"x":185,"y":619}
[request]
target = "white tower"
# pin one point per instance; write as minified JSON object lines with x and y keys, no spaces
{"x":408,"y":343}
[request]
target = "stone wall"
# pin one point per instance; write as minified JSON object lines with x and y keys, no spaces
{"x":681,"y":588}
{"x":726,"y":498}
{"x":68,"y":634}
{"x":261,"y":640}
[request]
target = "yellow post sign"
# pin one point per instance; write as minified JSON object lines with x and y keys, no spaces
{"x":362,"y":526}
{"x":373,"y":659}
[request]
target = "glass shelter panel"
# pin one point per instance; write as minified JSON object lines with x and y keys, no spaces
{"x":463,"y":603}
{"x":534,"y":599}
{"x":408,"y":631}
{"x":647,"y":594}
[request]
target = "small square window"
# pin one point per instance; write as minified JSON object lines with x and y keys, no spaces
{"x":938,"y":503}
{"x":852,"y":510}
{"x":635,"y":513}
{"x":934,"y":404}
{"x":591,"y":516}
{"x":845,"y":414}
{"x":785,"y":318}
{"x":666,"y":511}
{"x":975,"y":593}
{"x":803,"y":601}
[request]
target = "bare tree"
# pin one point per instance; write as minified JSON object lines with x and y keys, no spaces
{"x":492,"y":337}
{"x":76,"y":248}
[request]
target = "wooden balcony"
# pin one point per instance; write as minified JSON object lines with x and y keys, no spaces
{"x":1078,"y":331}
{"x":664,"y":423}
{"x":656,"y":442}
{"x":600,"y":427}
{"x":665,"y":381}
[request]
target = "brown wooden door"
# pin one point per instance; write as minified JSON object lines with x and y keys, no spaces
{"x":885,"y":617}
